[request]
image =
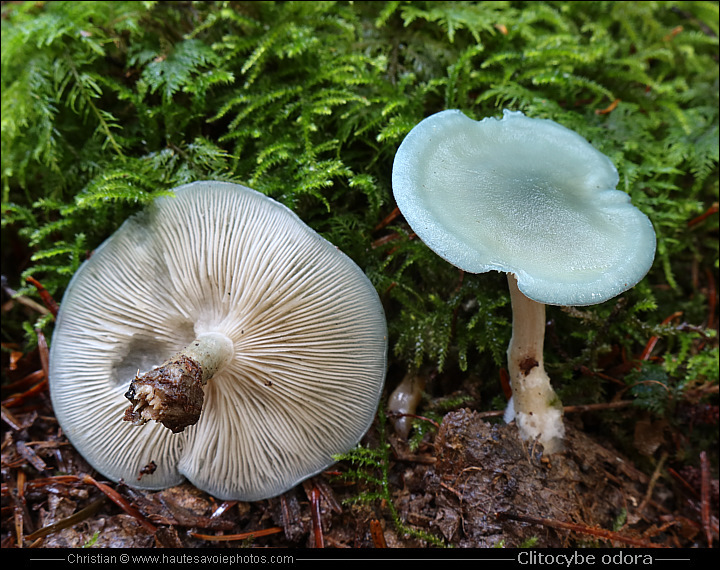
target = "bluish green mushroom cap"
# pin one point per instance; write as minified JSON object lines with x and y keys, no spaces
{"x":523,"y":196}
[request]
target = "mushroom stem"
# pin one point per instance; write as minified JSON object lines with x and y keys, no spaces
{"x":172,"y":394}
{"x":404,"y":400}
{"x":534,"y":405}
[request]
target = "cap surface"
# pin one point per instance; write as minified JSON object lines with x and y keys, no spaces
{"x":307,"y":327}
{"x":523,"y":196}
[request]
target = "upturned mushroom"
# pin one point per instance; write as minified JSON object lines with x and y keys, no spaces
{"x":535,"y":200}
{"x":251,"y":349}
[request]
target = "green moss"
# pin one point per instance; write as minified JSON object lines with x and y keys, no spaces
{"x":106,"y":105}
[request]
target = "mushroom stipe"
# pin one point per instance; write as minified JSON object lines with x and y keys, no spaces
{"x":257,"y":341}
{"x":172,"y":394}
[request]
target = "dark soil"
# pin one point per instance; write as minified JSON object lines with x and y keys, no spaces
{"x":469,"y":483}
{"x":472,"y":484}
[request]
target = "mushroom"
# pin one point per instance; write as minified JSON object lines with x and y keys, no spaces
{"x":264,"y":347}
{"x":404,"y":400}
{"x":535,"y":200}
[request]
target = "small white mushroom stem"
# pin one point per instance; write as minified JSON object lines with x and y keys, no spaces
{"x":211,"y":351}
{"x":534,"y":405}
{"x":172,"y":394}
{"x":404,"y":400}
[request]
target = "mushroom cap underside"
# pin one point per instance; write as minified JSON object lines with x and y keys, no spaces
{"x":307,"y":327}
{"x":523,"y":196}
